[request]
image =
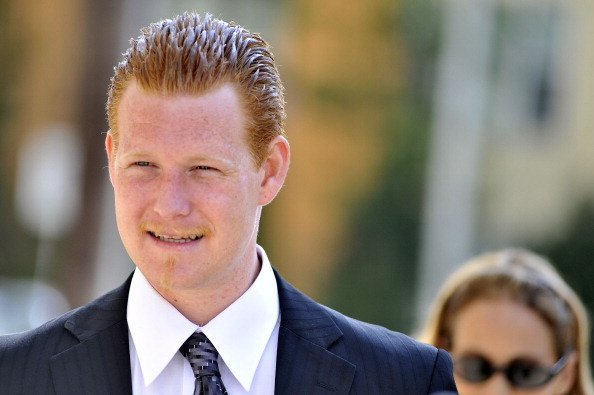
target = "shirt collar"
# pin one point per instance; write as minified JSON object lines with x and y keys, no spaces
{"x":238,"y":337}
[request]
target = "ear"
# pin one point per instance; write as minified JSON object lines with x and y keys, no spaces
{"x":566,"y":378}
{"x":110,"y":150}
{"x":274,"y":169}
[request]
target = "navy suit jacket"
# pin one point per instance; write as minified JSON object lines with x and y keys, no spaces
{"x":320,"y":351}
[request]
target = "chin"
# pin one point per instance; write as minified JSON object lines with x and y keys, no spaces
{"x":170,"y":274}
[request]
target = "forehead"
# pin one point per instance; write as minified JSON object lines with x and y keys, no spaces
{"x":502,"y":329}
{"x":221,"y":100}
{"x":216,"y":114}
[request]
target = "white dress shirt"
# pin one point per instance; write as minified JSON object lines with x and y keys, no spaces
{"x":245,"y":334}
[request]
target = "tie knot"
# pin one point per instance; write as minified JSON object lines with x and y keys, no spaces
{"x":201,"y":354}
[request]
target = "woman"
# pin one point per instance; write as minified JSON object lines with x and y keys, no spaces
{"x":513,"y":326}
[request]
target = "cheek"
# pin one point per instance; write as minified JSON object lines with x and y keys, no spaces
{"x":236,"y":210}
{"x":468,"y":388}
{"x":130,"y":193}
{"x":130,"y":206}
{"x":240,"y":194}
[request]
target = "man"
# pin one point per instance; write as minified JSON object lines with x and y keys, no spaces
{"x":196,"y":148}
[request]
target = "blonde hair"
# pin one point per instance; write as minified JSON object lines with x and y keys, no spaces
{"x":524,"y":278}
{"x":192,"y":55}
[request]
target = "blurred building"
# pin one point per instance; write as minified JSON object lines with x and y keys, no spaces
{"x":511,"y":157}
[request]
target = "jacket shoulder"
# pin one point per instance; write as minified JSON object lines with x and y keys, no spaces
{"x":72,"y":325}
{"x":393,"y":354}
{"x":24,"y":340}
{"x":374,"y":336}
{"x":385,"y":361}
{"x":25,"y":357}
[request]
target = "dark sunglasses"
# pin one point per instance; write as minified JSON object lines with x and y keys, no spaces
{"x":520,"y":372}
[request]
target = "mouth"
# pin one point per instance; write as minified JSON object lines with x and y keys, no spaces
{"x":176,"y":239}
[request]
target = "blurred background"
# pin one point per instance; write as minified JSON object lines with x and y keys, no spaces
{"x":423,"y":133}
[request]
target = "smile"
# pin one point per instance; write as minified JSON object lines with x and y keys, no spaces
{"x":176,"y":239}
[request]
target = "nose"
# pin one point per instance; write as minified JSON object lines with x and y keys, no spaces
{"x":172,"y":196}
{"x":497,"y":385}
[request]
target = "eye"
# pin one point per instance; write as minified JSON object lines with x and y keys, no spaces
{"x":142,"y":164}
{"x":203,"y":167}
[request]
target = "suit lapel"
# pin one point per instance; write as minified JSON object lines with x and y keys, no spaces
{"x":100,"y":363}
{"x":304,"y":363}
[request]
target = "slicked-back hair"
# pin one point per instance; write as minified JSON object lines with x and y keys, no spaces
{"x":192,"y":55}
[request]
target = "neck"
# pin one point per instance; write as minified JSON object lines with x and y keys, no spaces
{"x":201,"y":305}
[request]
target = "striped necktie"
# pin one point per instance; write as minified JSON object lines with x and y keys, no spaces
{"x":202,"y":356}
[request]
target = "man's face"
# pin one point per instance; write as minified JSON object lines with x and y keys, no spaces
{"x":187,"y":194}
